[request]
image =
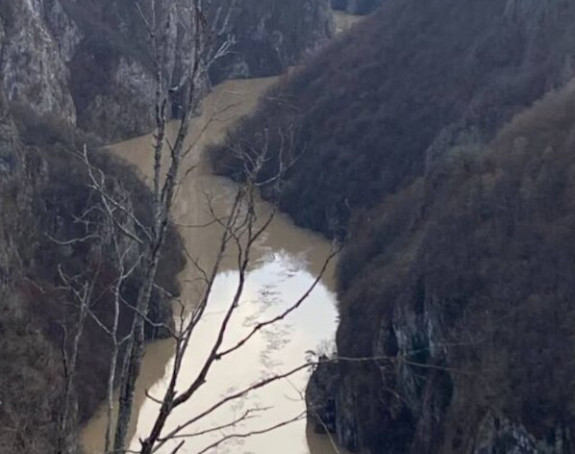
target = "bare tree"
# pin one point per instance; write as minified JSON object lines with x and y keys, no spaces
{"x":127,"y":234}
{"x":81,"y":290}
{"x":164,"y":187}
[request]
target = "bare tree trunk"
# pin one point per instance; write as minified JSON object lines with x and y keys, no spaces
{"x":110,"y":397}
{"x":163,"y":199}
{"x":113,"y":356}
{"x":68,"y":423}
{"x":135,"y":352}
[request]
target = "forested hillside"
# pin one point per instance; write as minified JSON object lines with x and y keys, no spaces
{"x":419,"y":143}
{"x":43,"y":196}
{"x":406,"y":85}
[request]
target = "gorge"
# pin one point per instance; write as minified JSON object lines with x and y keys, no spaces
{"x":434,"y":140}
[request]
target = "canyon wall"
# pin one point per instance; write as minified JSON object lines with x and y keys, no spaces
{"x":89,"y":63}
{"x":425,"y":139}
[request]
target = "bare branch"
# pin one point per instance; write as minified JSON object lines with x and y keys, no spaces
{"x":252,"y":433}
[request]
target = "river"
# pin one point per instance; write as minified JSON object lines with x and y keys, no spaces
{"x":285,"y":263}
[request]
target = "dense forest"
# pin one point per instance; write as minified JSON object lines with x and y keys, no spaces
{"x":425,"y":138}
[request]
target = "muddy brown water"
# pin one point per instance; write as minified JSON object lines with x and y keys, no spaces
{"x":286,"y":260}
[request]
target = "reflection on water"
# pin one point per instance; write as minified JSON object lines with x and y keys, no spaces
{"x":271,"y":286}
{"x":286,"y":259}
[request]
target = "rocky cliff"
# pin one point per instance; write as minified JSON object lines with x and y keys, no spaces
{"x":89,"y":64}
{"x":426,"y":149}
{"x":269,"y":36}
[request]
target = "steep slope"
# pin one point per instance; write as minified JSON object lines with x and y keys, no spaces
{"x":32,"y":72}
{"x":88,"y":63}
{"x":456,"y":273}
{"x":24,"y":356}
{"x":271,"y":35}
{"x":36,"y":205}
{"x":461,"y":284}
{"x":411,"y":78}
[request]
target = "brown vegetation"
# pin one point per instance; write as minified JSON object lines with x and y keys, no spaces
{"x":42,"y":205}
{"x":479,"y":273}
{"x":373,"y":105}
{"x":458,"y":265}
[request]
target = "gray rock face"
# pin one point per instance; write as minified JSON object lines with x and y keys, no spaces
{"x":497,"y":434}
{"x":458,"y":381}
{"x":111,"y":70}
{"x":63,"y":29}
{"x":32,"y":71}
{"x":9,"y":170}
{"x":8,"y":137}
{"x":269,"y":36}
{"x":89,"y":63}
